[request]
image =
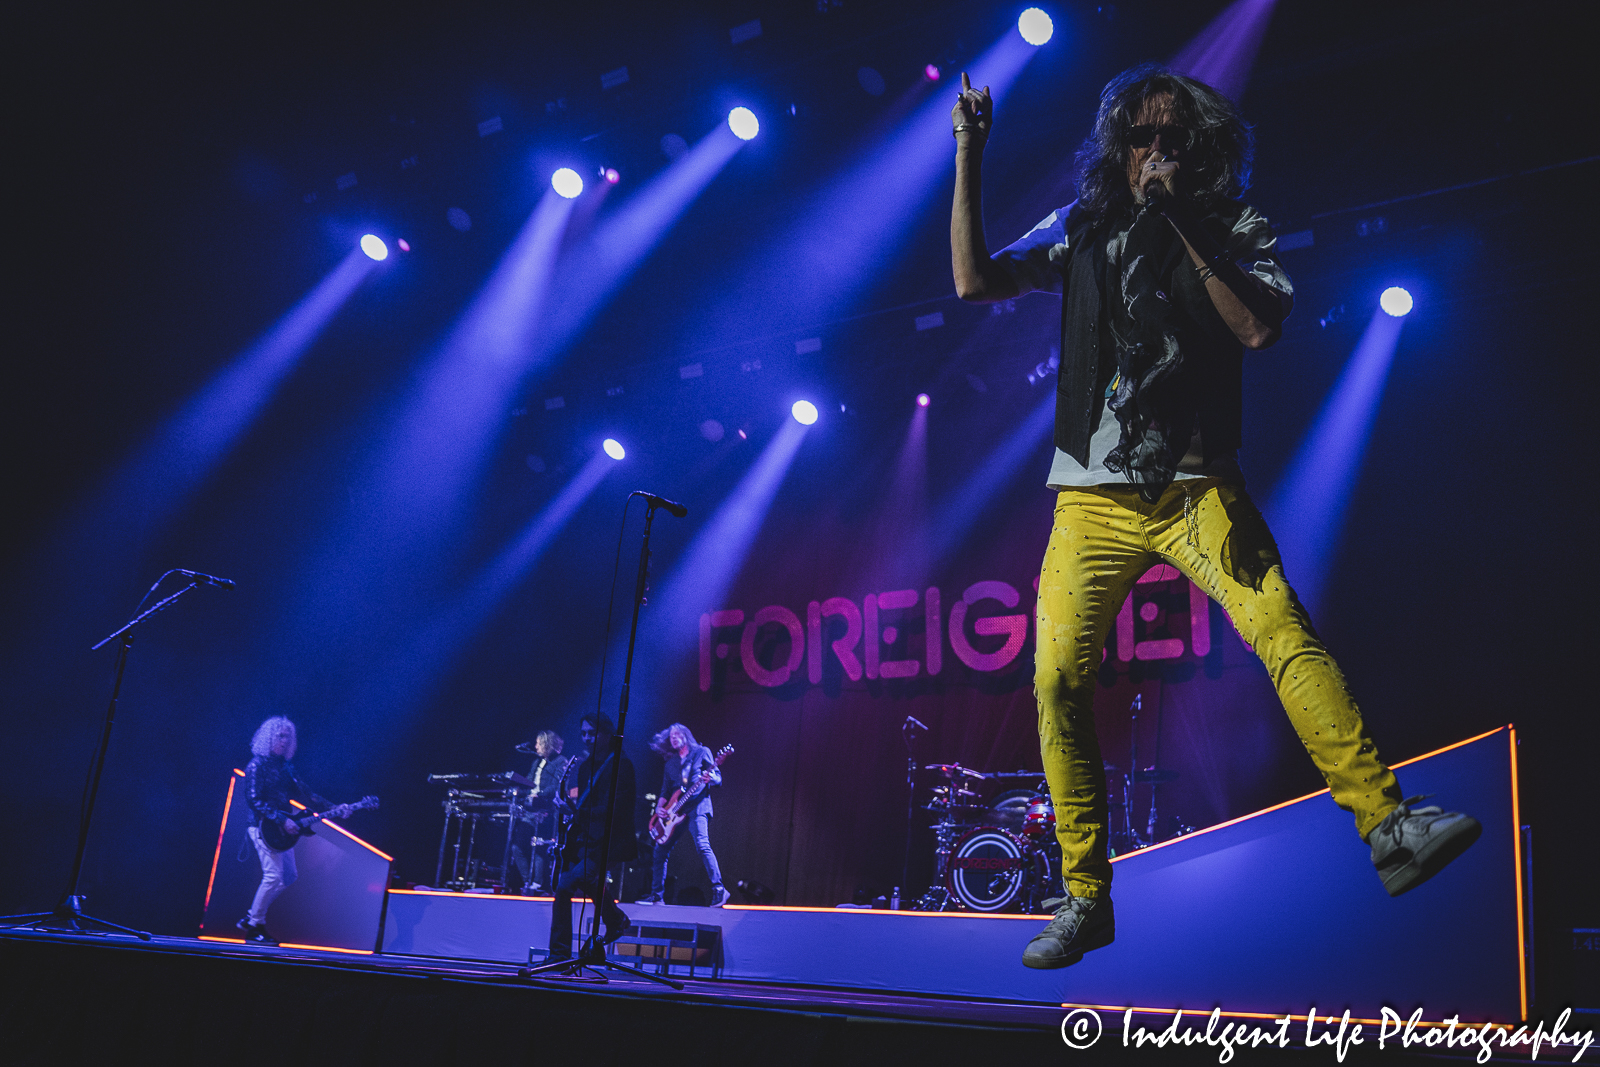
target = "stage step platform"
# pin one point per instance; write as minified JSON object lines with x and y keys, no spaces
{"x":1274,"y":913}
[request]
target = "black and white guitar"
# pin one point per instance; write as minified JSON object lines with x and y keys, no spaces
{"x":280,"y":840}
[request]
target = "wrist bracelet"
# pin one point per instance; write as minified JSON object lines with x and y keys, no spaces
{"x":964,"y":127}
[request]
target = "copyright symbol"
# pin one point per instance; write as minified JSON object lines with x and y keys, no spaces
{"x":1081,"y":1028}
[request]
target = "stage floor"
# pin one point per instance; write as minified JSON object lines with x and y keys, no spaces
{"x":1275,"y":913}
{"x":1306,"y":926}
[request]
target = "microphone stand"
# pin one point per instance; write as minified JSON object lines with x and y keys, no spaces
{"x":593,"y":954}
{"x":68,"y":915}
{"x":908,"y":733}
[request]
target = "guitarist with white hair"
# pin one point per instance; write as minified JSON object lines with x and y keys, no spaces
{"x":685,"y":801}
{"x":270,"y":783}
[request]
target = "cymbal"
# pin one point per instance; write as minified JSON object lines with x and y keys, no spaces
{"x":950,"y":770}
{"x":1155,"y":775}
{"x":943,"y":806}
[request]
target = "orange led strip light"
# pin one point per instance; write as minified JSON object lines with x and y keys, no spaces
{"x":1297,"y":800}
{"x":216,"y":857}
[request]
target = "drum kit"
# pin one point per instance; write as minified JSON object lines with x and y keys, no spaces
{"x":1002,"y":854}
{"x":994,"y":856}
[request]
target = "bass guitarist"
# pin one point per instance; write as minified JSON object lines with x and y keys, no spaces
{"x":689,"y":765}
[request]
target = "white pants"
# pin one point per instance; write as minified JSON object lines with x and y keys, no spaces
{"x":277,"y":874}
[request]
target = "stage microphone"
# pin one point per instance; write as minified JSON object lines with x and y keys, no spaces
{"x":1138,"y":702}
{"x":662,"y":502}
{"x":910,"y":721}
{"x":206,"y":579}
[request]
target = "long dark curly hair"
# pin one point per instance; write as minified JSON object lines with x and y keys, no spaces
{"x":1216,"y":164}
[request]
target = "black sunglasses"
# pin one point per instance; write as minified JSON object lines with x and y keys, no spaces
{"x":1171,"y":136}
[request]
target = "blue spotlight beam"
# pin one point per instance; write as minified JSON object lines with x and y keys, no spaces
{"x":520,"y":556}
{"x":415,"y":675}
{"x":713,"y":559}
{"x":1308,"y":507}
{"x":589,"y":276}
{"x":196,"y":440}
{"x":450,"y":420}
{"x":98,"y":547}
{"x":896,"y":542}
{"x":1222,"y":54}
{"x":424,"y":459}
{"x":960,"y":510}
{"x":848,"y":235}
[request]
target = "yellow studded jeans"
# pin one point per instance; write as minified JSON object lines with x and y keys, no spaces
{"x":1103,"y":539}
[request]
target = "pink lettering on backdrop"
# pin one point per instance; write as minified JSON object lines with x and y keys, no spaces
{"x":878,"y":622}
{"x":1129,"y":649}
{"x":843,"y":647}
{"x":872,"y":606}
{"x":747,"y":646}
{"x":715,"y":620}
{"x":1015,"y":627}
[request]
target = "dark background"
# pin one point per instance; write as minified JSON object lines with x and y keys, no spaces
{"x":162,"y":162}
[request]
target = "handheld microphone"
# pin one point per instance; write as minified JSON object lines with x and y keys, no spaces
{"x":206,"y":579}
{"x":662,"y":502}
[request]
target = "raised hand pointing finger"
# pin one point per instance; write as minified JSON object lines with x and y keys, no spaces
{"x":974,"y":110}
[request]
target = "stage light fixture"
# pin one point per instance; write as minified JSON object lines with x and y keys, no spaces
{"x":931,"y":72}
{"x":744,"y":124}
{"x":405,"y":246}
{"x":1035,"y":26}
{"x":374,"y":247}
{"x":610,"y":174}
{"x":923,"y":400}
{"x":614,"y":448}
{"x":567,"y":183}
{"x":804,"y":412}
{"x":1396,"y":301}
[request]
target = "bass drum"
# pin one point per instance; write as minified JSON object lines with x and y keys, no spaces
{"x":989,"y":868}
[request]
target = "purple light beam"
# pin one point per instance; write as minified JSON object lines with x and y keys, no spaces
{"x":1222,"y":54}
{"x":597,"y":268}
{"x":974,"y":498}
{"x":850,"y":231}
{"x":413,"y":677}
{"x":1308,"y":507}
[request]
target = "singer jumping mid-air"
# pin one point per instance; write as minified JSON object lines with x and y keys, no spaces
{"x":1165,"y":278}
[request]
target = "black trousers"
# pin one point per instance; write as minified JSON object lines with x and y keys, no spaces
{"x":575,"y":878}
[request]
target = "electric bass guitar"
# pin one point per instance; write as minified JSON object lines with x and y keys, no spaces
{"x":669,"y":817}
{"x":280,"y":840}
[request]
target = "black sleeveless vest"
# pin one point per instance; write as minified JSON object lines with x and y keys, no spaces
{"x":1213,"y":356}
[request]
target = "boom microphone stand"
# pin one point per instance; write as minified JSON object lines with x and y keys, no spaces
{"x":593,"y":954}
{"x":68,"y":914}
